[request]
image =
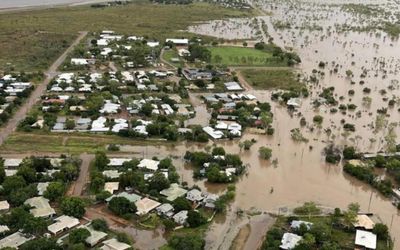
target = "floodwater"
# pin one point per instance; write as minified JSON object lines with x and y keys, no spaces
{"x":317,"y":32}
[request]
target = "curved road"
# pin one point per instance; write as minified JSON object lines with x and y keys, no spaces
{"x":37,"y":92}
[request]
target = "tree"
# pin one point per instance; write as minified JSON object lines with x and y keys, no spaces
{"x":192,"y":242}
{"x":28,"y":173}
{"x":218,"y":151}
{"x":78,"y":235}
{"x":350,"y":216}
{"x":35,"y":226}
{"x":121,"y":206}
{"x":158,"y":182}
{"x":101,"y":160}
{"x":97,"y":183}
{"x":54,"y":191}
{"x":318,"y":119}
{"x":70,"y":171}
{"x":181,"y":203}
{"x":265,"y":153}
{"x":349,"y":153}
{"x":2,"y":171}
{"x":17,"y":218}
{"x":73,"y":206}
{"x":195,"y":219}
{"x":381,"y":230}
{"x":103,"y":195}
{"x":42,"y":243}
{"x":100,"y":225}
{"x":70,"y":124}
{"x":12,"y":183}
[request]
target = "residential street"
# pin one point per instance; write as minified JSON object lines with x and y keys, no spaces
{"x":23,"y":110}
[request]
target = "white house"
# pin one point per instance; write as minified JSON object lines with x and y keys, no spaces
{"x":178,"y":41}
{"x":62,"y":224}
{"x":149,"y":164}
{"x":41,"y":207}
{"x":145,"y":205}
{"x":290,"y":241}
{"x":181,"y":217}
{"x":365,"y":239}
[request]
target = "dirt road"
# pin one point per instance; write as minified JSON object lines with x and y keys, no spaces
{"x":38,"y":91}
{"x":77,"y":188}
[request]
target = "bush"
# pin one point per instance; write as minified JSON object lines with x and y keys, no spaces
{"x":265,"y":153}
{"x":349,"y":153}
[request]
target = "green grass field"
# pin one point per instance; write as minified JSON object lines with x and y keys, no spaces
{"x":284,"y":79}
{"x":240,"y":56}
{"x":76,"y":143}
{"x":31,"y":40}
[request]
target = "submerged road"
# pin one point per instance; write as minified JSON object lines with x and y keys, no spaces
{"x":37,"y":92}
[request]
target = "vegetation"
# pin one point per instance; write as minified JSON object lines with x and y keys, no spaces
{"x":31,"y":40}
{"x":237,"y":56}
{"x":331,"y":232}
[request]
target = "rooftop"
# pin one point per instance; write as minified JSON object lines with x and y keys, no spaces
{"x":365,"y":239}
{"x":173,"y":192}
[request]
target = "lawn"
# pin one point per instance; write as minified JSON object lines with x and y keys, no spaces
{"x":75,"y":143}
{"x":169,"y":54}
{"x":240,"y":56}
{"x":284,"y":79}
{"x":31,"y":40}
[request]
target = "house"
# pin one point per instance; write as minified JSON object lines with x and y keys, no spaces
{"x":215,"y":134}
{"x":10,"y":172}
{"x":95,"y":236}
{"x":174,"y":191}
{"x":233,"y":86}
{"x":365,"y":239}
{"x":364,"y":222}
{"x":209,"y":200}
{"x":183,"y":52}
{"x":289,"y":241}
{"x":197,"y":74}
{"x":145,"y":205}
{"x":194,"y":195}
{"x":131,"y":197}
{"x":181,"y":217}
{"x":12,"y":163}
{"x":149,"y":164}
{"x":4,"y":206}
{"x":79,"y":61}
{"x":153,"y":44}
{"x":294,"y":102}
{"x":42,"y":187}
{"x":63,"y":223}
{"x":111,"y":187}
{"x":14,"y":240}
{"x":41,"y":207}
{"x":4,"y":228}
{"x":112,"y":174}
{"x":295,"y":224}
{"x":178,"y":42}
{"x":165,"y":209}
{"x":114,"y":244}
{"x":118,"y":162}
